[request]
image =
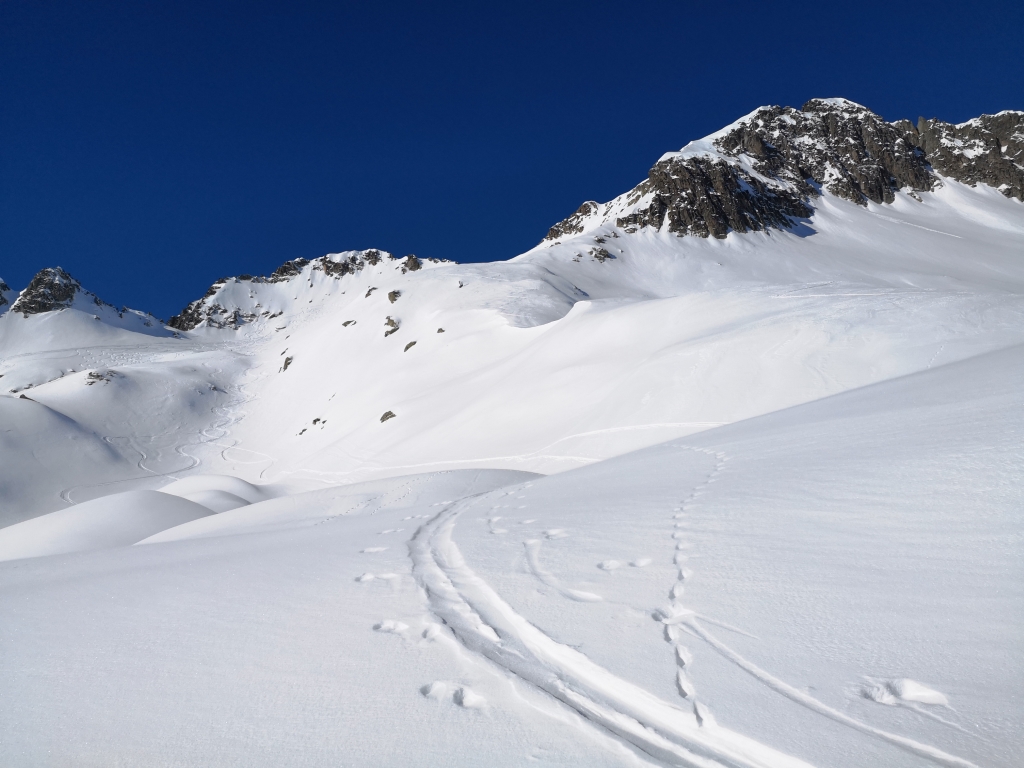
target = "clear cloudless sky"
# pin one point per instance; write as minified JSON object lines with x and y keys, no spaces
{"x":152,"y":147}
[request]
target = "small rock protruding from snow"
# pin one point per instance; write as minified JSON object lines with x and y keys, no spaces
{"x":387,"y":415}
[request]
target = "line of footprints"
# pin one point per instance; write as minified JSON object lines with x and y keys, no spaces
{"x":677,"y":613}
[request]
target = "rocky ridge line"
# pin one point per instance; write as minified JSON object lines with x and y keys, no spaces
{"x":763,"y":171}
{"x":214,"y":315}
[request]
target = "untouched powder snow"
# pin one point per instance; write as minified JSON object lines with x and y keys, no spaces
{"x":627,"y":499}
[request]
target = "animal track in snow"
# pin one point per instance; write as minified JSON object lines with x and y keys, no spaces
{"x":371,"y":550}
{"x":684,"y":685}
{"x":392,"y":530}
{"x":469,"y":699}
{"x":893,"y":692}
{"x":392,"y":626}
{"x":365,"y":577}
{"x":436,"y":690}
{"x":703,"y":715}
{"x":609,"y":565}
{"x":641,"y":562}
{"x":556,"y":533}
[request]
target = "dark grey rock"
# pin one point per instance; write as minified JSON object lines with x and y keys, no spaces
{"x":393,"y":296}
{"x":387,"y":415}
{"x":409,"y":346}
{"x":392,"y":325}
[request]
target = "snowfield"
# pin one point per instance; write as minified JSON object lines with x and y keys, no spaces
{"x":749,"y":502}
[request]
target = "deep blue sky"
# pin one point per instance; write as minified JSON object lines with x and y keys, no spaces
{"x":150,"y":148}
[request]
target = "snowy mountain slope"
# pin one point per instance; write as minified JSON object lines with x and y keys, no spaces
{"x":775,"y":387}
{"x":637,"y":333}
{"x":856,"y":545}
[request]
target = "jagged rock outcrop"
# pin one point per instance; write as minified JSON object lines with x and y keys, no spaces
{"x":287,"y":271}
{"x":574,"y":224}
{"x":227,"y":304}
{"x":5,"y":289}
{"x":50,"y":289}
{"x":215,"y":315}
{"x":986,"y":150}
{"x":764,"y":171}
{"x":197,"y":311}
{"x":698,"y":196}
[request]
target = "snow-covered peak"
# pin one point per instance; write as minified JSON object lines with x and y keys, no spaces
{"x":53,"y":289}
{"x":766,"y":170}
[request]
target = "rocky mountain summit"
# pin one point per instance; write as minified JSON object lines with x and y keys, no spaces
{"x":765,"y":170}
{"x":51,"y":289}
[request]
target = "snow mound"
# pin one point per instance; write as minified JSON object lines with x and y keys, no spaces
{"x":195,"y":485}
{"x":111,"y":521}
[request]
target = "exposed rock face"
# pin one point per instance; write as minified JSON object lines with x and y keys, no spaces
{"x":203,"y":310}
{"x":986,"y":150}
{"x":574,"y":224}
{"x":51,"y":288}
{"x":197,"y":311}
{"x":764,"y":171}
{"x":288,"y":270}
{"x":698,"y":196}
{"x":4,"y":290}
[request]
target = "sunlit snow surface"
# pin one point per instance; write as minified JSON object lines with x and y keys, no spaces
{"x":814,"y":558}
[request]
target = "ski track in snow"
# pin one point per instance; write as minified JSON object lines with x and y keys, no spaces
{"x":532,"y":547}
{"x":678,"y":615}
{"x":226,"y":415}
{"x":487,"y":626}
